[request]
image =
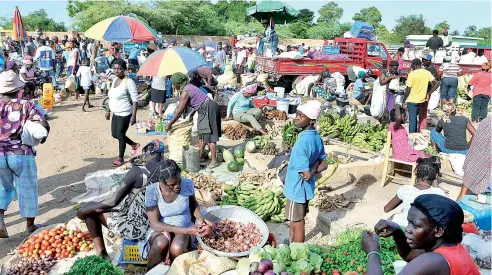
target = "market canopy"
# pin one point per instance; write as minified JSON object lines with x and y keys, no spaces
{"x":170,"y":61}
{"x":19,"y":31}
{"x":281,"y":12}
{"x":121,"y":29}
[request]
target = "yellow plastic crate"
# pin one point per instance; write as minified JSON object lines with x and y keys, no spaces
{"x":130,"y":254}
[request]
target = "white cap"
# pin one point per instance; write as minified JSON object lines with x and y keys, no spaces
{"x":312,"y":109}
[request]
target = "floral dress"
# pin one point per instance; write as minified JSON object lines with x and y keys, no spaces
{"x":401,"y":149}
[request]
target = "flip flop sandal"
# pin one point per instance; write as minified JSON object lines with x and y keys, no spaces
{"x":213,"y":165}
{"x":135,"y":150}
{"x":34,"y":228}
{"x":117,"y":163}
{"x":3,"y":234}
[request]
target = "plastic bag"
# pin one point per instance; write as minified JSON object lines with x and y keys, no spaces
{"x":178,"y":137}
{"x":33,"y":133}
{"x":378,"y":102}
{"x":394,"y":84}
{"x":434,"y":99}
{"x":457,"y":161}
{"x":70,"y":84}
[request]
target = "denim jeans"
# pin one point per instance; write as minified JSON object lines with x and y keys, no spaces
{"x":58,"y":67}
{"x":414,"y":110}
{"x":449,"y":87}
{"x":480,"y":105}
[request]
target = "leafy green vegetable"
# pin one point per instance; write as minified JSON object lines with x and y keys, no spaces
{"x":315,"y":260}
{"x":93,"y":265}
{"x":256,"y":255}
{"x":270,"y":250}
{"x":282,"y":254}
{"x":278,"y":266}
{"x":299,"y":251}
{"x":301,"y":266}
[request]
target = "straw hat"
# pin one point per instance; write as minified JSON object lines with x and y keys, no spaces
{"x":10,"y":82}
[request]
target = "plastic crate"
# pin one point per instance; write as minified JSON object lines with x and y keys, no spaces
{"x":331,"y":49}
{"x":130,"y":254}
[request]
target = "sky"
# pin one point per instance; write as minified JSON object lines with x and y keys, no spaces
{"x":459,"y":14}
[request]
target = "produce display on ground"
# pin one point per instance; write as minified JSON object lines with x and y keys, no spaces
{"x":234,"y":161}
{"x":274,"y":130}
{"x":270,"y":149}
{"x":231,"y":236}
{"x":345,"y":255}
{"x":274,"y":114}
{"x":32,"y":266}
{"x":347,"y":129}
{"x":323,"y":201}
{"x":259,"y":142}
{"x":57,"y":243}
{"x":93,"y":265}
{"x":264,"y":203}
{"x":290,"y":133}
{"x":238,"y":132}
{"x":205,"y":182}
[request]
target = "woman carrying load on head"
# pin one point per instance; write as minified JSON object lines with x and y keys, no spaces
{"x":174,"y":215}
{"x":431,"y":243}
{"x":209,"y":121}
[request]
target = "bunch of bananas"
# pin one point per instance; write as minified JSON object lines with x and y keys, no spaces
{"x":370,"y":141}
{"x":289,"y":134}
{"x":266,"y":204}
{"x":261,"y":141}
{"x":348,"y":128}
{"x":326,"y":127}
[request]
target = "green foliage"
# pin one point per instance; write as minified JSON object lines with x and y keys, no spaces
{"x":442,"y":26}
{"x":299,"y":29}
{"x":470,"y":31}
{"x":411,"y":24}
{"x":370,"y":15}
{"x":330,"y":12}
{"x":485,"y":34}
{"x":34,"y":20}
{"x":327,"y":30}
{"x":306,"y":16}
{"x":455,"y":32}
{"x":74,"y":6}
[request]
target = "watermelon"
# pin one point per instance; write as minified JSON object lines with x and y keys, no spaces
{"x":240,"y":161}
{"x":233,"y":166}
{"x":228,"y":156}
{"x":250,"y":146}
{"x":239,"y":152}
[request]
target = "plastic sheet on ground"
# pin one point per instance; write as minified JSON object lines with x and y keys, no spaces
{"x":101,"y":184}
{"x":479,"y":249}
{"x":203,"y":263}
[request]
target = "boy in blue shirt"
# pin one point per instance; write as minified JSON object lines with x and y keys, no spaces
{"x":307,"y":158}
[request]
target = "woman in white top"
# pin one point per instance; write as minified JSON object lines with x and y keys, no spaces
{"x":84,"y":75}
{"x":427,"y":171}
{"x":73,"y":60}
{"x":123,"y":103}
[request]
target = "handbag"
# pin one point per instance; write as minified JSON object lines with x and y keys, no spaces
{"x":33,"y":133}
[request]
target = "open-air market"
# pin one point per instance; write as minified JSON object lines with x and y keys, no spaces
{"x":245,"y":137}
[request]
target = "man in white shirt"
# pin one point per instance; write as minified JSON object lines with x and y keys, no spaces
{"x":46,"y":60}
{"x":241,"y":59}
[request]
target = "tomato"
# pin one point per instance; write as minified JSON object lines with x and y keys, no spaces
{"x":48,"y":252}
{"x":51,"y":240}
{"x":21,"y":250}
{"x":52,"y":233}
{"x":323,"y":273}
{"x":38,"y":240}
{"x":78,"y":231}
{"x":36,"y":251}
{"x":46,"y":237}
{"x":71,"y":255}
{"x":67,"y":238}
{"x":75,"y":239}
{"x":46,"y":231}
{"x":87,"y":249}
{"x":36,"y":256}
{"x":25,"y":254}
{"x":54,"y":245}
{"x":41,"y":235}
{"x":37,"y":246}
{"x":79,"y":235}
{"x":58,"y":237}
{"x":45,"y":243}
{"x":43,"y":247}
{"x":30,"y":249}
{"x":328,"y":260}
{"x":58,"y":242}
{"x":359,"y":268}
{"x":63,"y":246}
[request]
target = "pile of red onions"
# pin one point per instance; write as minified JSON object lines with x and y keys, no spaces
{"x":229,"y":236}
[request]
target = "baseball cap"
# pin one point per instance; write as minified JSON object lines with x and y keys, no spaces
{"x":427,"y":56}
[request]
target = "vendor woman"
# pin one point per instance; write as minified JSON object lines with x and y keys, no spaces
{"x":172,"y":210}
{"x":242,"y":110}
{"x":209,"y":129}
{"x":123,"y":213}
{"x":431,"y":243}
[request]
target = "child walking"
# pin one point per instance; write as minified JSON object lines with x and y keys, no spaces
{"x":85,"y":76}
{"x":307,"y":158}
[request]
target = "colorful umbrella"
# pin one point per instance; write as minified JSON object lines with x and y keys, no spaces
{"x":121,"y":29}
{"x":281,"y":12}
{"x":19,"y":31}
{"x":170,"y":61}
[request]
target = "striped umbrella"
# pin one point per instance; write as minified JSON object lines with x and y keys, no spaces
{"x":19,"y":31}
{"x":121,"y":29}
{"x":170,"y":61}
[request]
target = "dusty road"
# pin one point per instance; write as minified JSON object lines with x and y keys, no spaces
{"x":79,"y":143}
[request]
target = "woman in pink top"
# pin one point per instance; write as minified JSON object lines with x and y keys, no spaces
{"x":399,"y":138}
{"x":481,"y":82}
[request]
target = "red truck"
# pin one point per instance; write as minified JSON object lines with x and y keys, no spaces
{"x":367,"y":54}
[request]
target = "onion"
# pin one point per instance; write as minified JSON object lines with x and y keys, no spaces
{"x":269,"y":272}
{"x":269,"y":263}
{"x":263,"y":267}
{"x":284,"y":273}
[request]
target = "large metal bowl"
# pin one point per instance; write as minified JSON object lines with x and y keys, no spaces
{"x":237,"y":214}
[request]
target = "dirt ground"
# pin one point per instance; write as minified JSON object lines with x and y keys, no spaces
{"x":81,"y":143}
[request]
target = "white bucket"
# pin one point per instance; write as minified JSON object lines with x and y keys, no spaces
{"x":283,"y":105}
{"x":280,"y":91}
{"x":398,"y":266}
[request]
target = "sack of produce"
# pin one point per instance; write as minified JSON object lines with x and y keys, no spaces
{"x":247,"y":78}
{"x":178,"y":137}
{"x":203,"y":263}
{"x":434,"y":99}
{"x":378,"y":103}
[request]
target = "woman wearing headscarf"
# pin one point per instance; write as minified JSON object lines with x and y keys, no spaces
{"x":123,"y":103}
{"x":124,"y":212}
{"x":209,"y":129}
{"x":477,"y":168}
{"x":18,"y":170}
{"x":431,"y":243}
{"x":242,"y":109}
{"x":454,"y":126}
{"x":482,"y":91}
{"x":171,"y":208}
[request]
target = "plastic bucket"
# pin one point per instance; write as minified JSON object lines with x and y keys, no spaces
{"x":280,"y":91}
{"x":283,"y":105}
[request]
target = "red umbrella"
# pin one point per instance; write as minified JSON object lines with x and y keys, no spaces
{"x":19,"y":31}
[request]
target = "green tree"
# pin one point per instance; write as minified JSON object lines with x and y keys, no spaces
{"x":34,"y":20}
{"x":326,"y":30}
{"x":470,"y":31}
{"x":455,"y":33}
{"x":485,"y":34}
{"x":306,"y":16}
{"x":442,"y":26}
{"x":75,"y":6}
{"x":385,"y":36}
{"x":411,"y":24}
{"x":330,"y":12}
{"x":370,"y":15}
{"x":299,"y":29}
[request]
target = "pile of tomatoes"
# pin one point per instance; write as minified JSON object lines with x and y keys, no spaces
{"x":56,"y":243}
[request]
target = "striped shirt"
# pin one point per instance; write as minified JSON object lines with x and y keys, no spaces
{"x":450,"y":70}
